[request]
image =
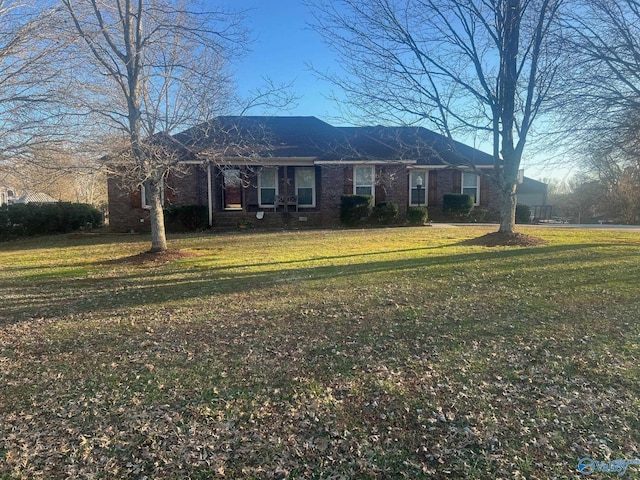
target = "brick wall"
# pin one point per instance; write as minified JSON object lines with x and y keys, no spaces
{"x":125,"y":211}
{"x":189,"y":187}
{"x":332,"y":187}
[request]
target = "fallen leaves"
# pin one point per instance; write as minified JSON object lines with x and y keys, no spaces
{"x":414,"y":363}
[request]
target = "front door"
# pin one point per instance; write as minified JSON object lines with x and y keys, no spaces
{"x":232,"y":189}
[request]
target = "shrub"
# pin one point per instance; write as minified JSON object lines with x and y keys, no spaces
{"x":37,"y":219}
{"x":417,"y":215}
{"x":483,"y":215}
{"x":186,"y":218}
{"x":355,"y":208}
{"x":385,"y":213}
{"x":456,"y":205}
{"x":523,"y":214}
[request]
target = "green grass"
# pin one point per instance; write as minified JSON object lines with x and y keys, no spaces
{"x":382,"y":353}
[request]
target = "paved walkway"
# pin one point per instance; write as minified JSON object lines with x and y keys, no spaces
{"x":583,"y":226}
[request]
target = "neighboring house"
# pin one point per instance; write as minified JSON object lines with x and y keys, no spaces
{"x":534,"y":194}
{"x":7,"y":195}
{"x":293,"y":171}
{"x":38,"y":198}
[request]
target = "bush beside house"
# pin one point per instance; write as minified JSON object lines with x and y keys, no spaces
{"x":457,"y":206}
{"x":523,"y":213}
{"x":186,"y":218}
{"x":385,"y":213}
{"x":417,"y":215}
{"x":355,"y":209}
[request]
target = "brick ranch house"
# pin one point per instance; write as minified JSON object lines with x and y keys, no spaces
{"x":292,"y":172}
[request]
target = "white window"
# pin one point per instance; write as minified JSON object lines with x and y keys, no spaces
{"x":364,"y":180}
{"x":267,"y":187}
{"x":418,"y":188}
{"x":471,"y":186}
{"x":306,"y":187}
{"x":145,"y":193}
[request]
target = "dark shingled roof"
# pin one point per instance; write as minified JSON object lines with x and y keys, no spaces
{"x":286,"y":137}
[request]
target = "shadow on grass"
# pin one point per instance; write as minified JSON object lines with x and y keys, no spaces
{"x":50,"y":297}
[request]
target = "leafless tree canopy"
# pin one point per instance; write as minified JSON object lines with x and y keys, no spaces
{"x":152,"y":67}
{"x":602,"y":108}
{"x":30,"y":72}
{"x":169,"y":59}
{"x":439,"y":60}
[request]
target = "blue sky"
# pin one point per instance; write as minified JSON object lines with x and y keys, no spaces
{"x":283,"y":46}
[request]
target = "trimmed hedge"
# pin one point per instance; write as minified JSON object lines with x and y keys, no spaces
{"x":385,"y":213}
{"x":417,"y":215}
{"x":355,"y":208}
{"x":523,"y":213}
{"x":186,"y":218}
{"x":457,"y":205}
{"x":41,"y":219}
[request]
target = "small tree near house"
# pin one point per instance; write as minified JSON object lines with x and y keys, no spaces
{"x":160,"y":66}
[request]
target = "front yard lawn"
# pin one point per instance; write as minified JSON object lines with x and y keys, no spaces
{"x":382,"y":353}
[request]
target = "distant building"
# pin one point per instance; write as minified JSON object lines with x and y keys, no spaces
{"x":534,"y":194}
{"x":7,"y":195}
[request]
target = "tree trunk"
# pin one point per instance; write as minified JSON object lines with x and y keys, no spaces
{"x":507,"y":208}
{"x":158,"y":237}
{"x":508,"y":173}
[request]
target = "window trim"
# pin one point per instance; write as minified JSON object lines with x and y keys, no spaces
{"x":313,"y":187}
{"x":425,"y":187}
{"x":143,"y":195}
{"x":275,"y":197}
{"x":476,"y":201}
{"x":372,"y":168}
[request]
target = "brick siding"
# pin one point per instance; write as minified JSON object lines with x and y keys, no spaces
{"x":189,"y":187}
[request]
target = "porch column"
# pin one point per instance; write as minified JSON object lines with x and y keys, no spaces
{"x":209,"y":195}
{"x":286,"y":189}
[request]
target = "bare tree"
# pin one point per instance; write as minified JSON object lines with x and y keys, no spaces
{"x":151,"y":67}
{"x":30,"y":70}
{"x":604,"y":39}
{"x":483,"y":68}
{"x":598,"y":117}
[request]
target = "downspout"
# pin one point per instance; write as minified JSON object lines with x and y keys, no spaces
{"x":286,"y":189}
{"x":209,"y":196}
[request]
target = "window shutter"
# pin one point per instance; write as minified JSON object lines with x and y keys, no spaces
{"x":432,"y":190}
{"x":348,"y":180}
{"x":136,"y":198}
{"x":484,"y":191}
{"x":457,"y":181}
{"x":380,"y":195}
{"x":169,"y":193}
